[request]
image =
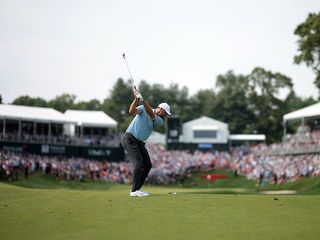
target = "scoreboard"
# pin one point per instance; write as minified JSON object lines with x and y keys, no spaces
{"x":173,"y":130}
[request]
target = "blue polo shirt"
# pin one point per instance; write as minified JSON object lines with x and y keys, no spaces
{"x":141,"y":126}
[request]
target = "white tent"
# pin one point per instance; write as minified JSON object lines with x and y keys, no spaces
{"x":205,"y":130}
{"x":303,"y":113}
{"x":91,"y":119}
{"x":307,"y":112}
{"x":33,"y":114}
{"x":157,"y":138}
{"x":247,"y":137}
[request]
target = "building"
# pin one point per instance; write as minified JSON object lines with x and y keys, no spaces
{"x":205,"y":133}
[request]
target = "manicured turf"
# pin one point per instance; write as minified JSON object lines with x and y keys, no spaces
{"x":59,"y":210}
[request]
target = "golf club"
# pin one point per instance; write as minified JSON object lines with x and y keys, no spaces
{"x":131,"y":78}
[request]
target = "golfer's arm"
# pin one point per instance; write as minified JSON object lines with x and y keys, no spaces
{"x":133,"y":106}
{"x":149,"y":110}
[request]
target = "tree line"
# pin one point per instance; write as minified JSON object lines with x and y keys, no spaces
{"x":251,"y":103}
{"x":248,"y":103}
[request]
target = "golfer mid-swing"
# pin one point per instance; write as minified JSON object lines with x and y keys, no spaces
{"x":139,"y":130}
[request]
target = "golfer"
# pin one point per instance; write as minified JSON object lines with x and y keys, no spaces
{"x":139,"y":130}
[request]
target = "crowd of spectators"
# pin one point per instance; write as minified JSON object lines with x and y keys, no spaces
{"x":304,"y":140}
{"x":12,"y":165}
{"x":168,"y":166}
{"x":172,"y":166}
{"x":177,"y":165}
{"x":110,"y":140}
{"x":274,"y":169}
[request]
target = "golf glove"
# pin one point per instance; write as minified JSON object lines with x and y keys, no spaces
{"x":137,"y":94}
{"x":139,"y":97}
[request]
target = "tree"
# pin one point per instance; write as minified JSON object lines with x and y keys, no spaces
{"x":175,"y":96}
{"x":178,"y":99}
{"x":29,"y":101}
{"x":0,"y":99}
{"x":117,"y":104}
{"x":231,"y":105}
{"x":121,"y":96}
{"x":63,"y":102}
{"x":92,"y":105}
{"x":264,"y":100}
{"x":309,"y":44}
{"x":202,"y":104}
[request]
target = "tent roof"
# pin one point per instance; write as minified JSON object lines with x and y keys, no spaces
{"x":34,"y":114}
{"x":310,"y":111}
{"x":247,"y":137}
{"x":91,"y":118}
{"x":205,"y":123}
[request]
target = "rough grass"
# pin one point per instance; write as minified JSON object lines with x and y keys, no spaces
{"x":304,"y":186}
{"x":42,"y":208}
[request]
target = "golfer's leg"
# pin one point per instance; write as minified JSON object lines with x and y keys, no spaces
{"x":132,"y":147}
{"x":146,"y":164}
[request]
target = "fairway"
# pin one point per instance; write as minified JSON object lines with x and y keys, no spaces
{"x":110,"y":213}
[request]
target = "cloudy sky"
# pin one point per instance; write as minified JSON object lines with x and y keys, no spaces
{"x":74,"y":46}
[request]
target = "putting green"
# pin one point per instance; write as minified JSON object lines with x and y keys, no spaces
{"x":109,"y":213}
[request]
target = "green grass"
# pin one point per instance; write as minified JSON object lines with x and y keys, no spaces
{"x":42,"y":208}
{"x":232,"y":184}
{"x":304,"y":186}
{"x":40,"y":181}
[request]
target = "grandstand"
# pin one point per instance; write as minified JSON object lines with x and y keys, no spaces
{"x":37,"y":130}
{"x":92,"y":128}
{"x":305,"y":139}
{"x":298,"y":155}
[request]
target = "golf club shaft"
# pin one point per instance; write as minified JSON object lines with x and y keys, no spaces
{"x":131,"y":80}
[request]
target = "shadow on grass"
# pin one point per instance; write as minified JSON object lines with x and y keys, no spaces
{"x":39,"y":181}
{"x":224,"y":191}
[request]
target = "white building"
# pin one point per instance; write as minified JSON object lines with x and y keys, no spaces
{"x":205,"y":130}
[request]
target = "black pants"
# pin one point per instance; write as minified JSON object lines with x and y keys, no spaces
{"x":139,"y":156}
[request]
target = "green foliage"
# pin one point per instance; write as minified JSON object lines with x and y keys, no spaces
{"x":202,"y":104}
{"x":177,"y":98}
{"x":179,"y":101}
{"x":92,"y":105}
{"x":232,"y":105}
{"x":309,"y":44}
{"x":154,"y":94}
{"x":265,"y":102}
{"x":29,"y":101}
{"x":118,"y":103}
{"x":63,"y":102}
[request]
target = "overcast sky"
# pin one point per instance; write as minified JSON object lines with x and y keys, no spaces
{"x":70,"y":46}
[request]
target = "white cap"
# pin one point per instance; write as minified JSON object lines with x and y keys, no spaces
{"x":166,"y":107}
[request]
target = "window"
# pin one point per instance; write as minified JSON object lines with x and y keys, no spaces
{"x":205,"y":134}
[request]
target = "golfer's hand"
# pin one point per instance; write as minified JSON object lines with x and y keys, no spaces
{"x":138,"y":95}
